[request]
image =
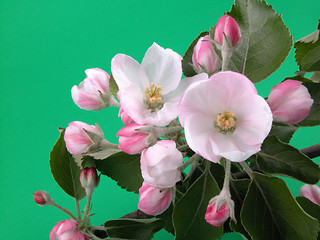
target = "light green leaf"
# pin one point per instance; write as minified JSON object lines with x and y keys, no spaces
{"x":189,"y":212}
{"x":270,"y":212}
{"x":124,"y":169}
{"x":65,"y":170}
{"x":113,"y":87}
{"x":308,"y":52}
{"x":138,"y":229}
{"x":277,"y":157}
{"x":265,"y":41}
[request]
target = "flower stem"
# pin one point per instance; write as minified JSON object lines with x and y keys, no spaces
{"x":247,"y":169}
{"x":66,"y":211}
{"x":86,"y":211}
{"x":98,"y":228}
{"x":170,"y":130}
{"x":183,"y":147}
{"x":78,"y":208}
{"x":195,"y":157}
{"x":227,"y":175}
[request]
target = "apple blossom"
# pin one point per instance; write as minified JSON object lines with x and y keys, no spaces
{"x":125,"y":118}
{"x":93,"y":92}
{"x":228,"y":27}
{"x":78,"y":139}
{"x":89,"y":179}
{"x":312,"y":192}
{"x":42,"y":198}
{"x":290,"y":102}
{"x":67,"y":230}
{"x":160,"y":163}
{"x":153,"y":201}
{"x":204,"y":57}
{"x":150,"y":92}
{"x":217,"y":217}
{"x":224,"y":117}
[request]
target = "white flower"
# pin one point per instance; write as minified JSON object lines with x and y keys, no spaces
{"x":150,"y":92}
{"x":224,"y":117}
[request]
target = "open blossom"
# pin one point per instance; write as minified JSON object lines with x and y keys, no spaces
{"x":290,"y":102}
{"x":150,"y":92}
{"x":67,"y":230}
{"x":153,"y":201}
{"x":224,"y":117}
{"x":312,"y":192}
{"x":77,"y":137}
{"x":93,"y":92}
{"x":160,"y":163}
{"x":228,"y":27}
{"x":204,"y":57}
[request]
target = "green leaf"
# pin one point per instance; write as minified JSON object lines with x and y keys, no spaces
{"x":277,"y":157}
{"x":309,"y":207}
{"x":270,"y":212}
{"x":308,"y":52}
{"x":265,"y":41}
{"x":189,"y":211}
{"x":283,"y":131}
{"x":238,"y":190}
{"x":187,"y":67}
{"x":138,"y":229}
{"x":64,"y":169}
{"x":124,"y":169}
{"x":166,"y":217}
{"x":113,"y":87}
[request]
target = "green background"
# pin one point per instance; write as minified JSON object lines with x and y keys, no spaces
{"x":45,"y":47}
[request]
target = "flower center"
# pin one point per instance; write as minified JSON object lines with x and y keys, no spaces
{"x":154,"y":97}
{"x":226,"y":121}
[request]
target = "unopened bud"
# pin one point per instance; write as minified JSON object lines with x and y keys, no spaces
{"x":89,"y":179}
{"x":42,"y":198}
{"x":312,"y":192}
{"x":227,"y":27}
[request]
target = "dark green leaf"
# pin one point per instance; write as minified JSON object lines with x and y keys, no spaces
{"x":283,"y":131}
{"x":217,"y":171}
{"x":166,"y":217}
{"x":124,"y":169}
{"x":308,"y":52}
{"x":270,"y":212}
{"x":265,"y":41}
{"x":113,"y":87}
{"x":187,"y":67}
{"x":277,"y":157}
{"x":238,"y":190}
{"x":189,"y":211}
{"x":65,"y":170}
{"x":309,"y":207}
{"x":138,"y":229}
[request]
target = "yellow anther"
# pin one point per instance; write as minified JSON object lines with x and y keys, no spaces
{"x":153,"y":93}
{"x":226,"y":121}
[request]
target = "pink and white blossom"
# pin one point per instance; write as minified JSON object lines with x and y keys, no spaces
{"x":160,"y":163}
{"x":154,"y":201}
{"x":67,"y":230}
{"x":204,"y":57}
{"x":312,"y":192}
{"x":77,"y":137}
{"x":150,"y":92}
{"x":224,"y":117}
{"x":228,"y":27}
{"x":125,"y":118}
{"x":93,"y":92}
{"x":217,"y":216}
{"x":290,"y":102}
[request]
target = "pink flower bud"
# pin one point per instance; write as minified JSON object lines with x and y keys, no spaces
{"x":89,"y":179}
{"x":67,"y":230}
{"x":290,"y":102}
{"x":312,"y":192}
{"x":132,"y":140}
{"x":204,"y":57}
{"x":160,"y":163}
{"x":42,"y":198}
{"x":93,"y":92}
{"x":217,"y":217}
{"x":77,"y":137}
{"x":125,"y":118}
{"x":153,"y":201}
{"x":230,"y":28}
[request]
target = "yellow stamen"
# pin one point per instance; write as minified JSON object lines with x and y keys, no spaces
{"x":153,"y":93}
{"x":226,"y":121}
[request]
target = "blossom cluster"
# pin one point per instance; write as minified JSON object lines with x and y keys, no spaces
{"x":216,"y":113}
